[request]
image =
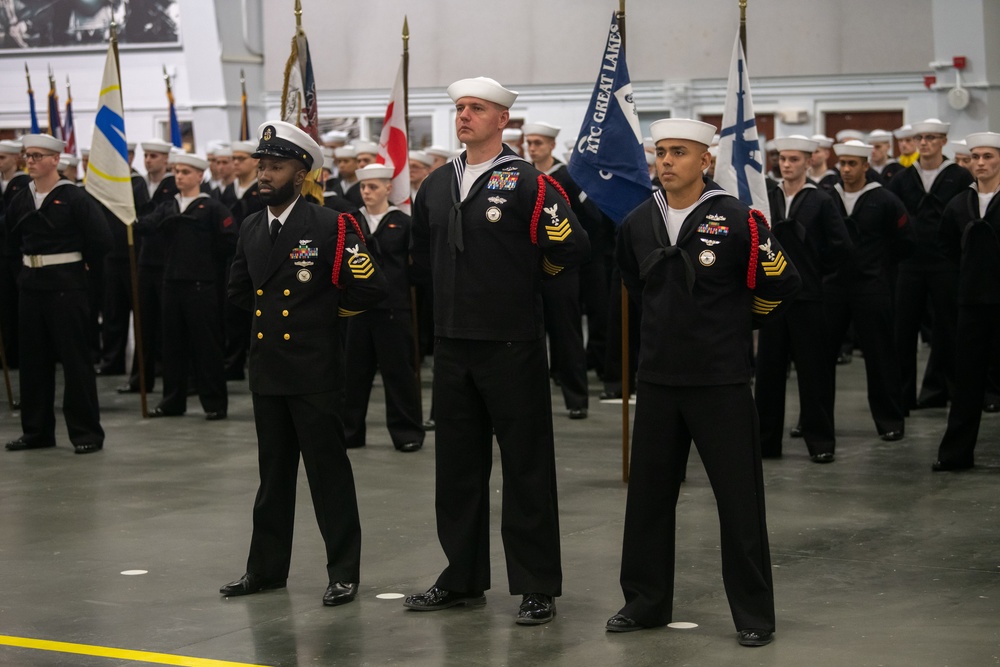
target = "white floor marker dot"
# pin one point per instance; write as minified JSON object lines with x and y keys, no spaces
{"x":132,"y":573}
{"x":682,"y":625}
{"x":389,"y":596}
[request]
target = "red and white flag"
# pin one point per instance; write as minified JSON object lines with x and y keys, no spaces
{"x":393,"y":149}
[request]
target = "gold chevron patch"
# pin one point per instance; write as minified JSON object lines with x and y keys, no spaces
{"x":559,"y":232}
{"x":549,"y":267}
{"x":762,"y":306}
{"x":361,"y":266}
{"x":776,"y":266}
{"x":343,"y":312}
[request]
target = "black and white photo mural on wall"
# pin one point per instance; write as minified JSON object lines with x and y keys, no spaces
{"x":45,"y":24}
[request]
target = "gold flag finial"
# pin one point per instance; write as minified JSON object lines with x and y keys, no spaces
{"x":406,"y":29}
{"x":298,"y":15}
{"x":27,"y":75}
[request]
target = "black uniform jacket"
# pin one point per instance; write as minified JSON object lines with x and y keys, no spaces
{"x":485,"y":262}
{"x":245,"y":206}
{"x":698,"y":306}
{"x":11,"y":241}
{"x":151,"y":248}
{"x":882,"y":236}
{"x":813,"y":234}
{"x":69,"y":220}
{"x":197,"y":242}
{"x":296,"y":297}
{"x":973,"y":242}
{"x":390,"y":247}
{"x":925,"y":209}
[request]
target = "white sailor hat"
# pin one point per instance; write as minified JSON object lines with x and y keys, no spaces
{"x":959,"y":147}
{"x":853,"y":148}
{"x":769,"y":146}
{"x":983,"y":140}
{"x":822,"y":140}
{"x":682,"y":128}
{"x":879,"y":137}
{"x":328,"y":163}
{"x":68,"y":160}
{"x":932,"y":125}
{"x":422,"y":157}
{"x":85,"y":151}
{"x":334,"y":135}
{"x":130,"y":145}
{"x":485,"y":89}
{"x":10,"y":147}
{"x":215,"y":147}
{"x":904,"y":132}
{"x":369,"y":147}
{"x":845,"y":135}
{"x":43,"y":141}
{"x":284,"y":140}
{"x":650,"y":158}
{"x":327,"y":151}
{"x":247,"y":147}
{"x":223,"y":151}
{"x":191,"y":160}
{"x":715,"y":139}
{"x":543,"y":129}
{"x":511,"y":134}
{"x":156,"y":146}
{"x":345,"y":151}
{"x":374,"y":171}
{"x":795,"y":142}
{"x":713,"y":150}
{"x":172,"y":155}
{"x":439,"y":151}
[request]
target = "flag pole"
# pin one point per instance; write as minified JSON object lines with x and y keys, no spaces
{"x":414,"y":314}
{"x":132,"y":264}
{"x":626,"y":363}
{"x":244,"y":115}
{"x":743,"y":26}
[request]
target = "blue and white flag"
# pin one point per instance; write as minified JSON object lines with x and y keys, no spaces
{"x":739,"y":169}
{"x":608,"y":161}
{"x":109,"y":176}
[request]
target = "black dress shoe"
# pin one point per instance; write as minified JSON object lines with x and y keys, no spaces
{"x":339,"y":592}
{"x":796,"y":431}
{"x":619,"y":623}
{"x":535,"y":609}
{"x":992,"y":406}
{"x":578,"y":413}
{"x":21,"y":444}
{"x":88,"y":447}
{"x":755,"y":637}
{"x":127,"y":389}
{"x":437,"y":598}
{"x":429,"y":425}
{"x":892,"y":436}
{"x":942,"y":466}
{"x":215,"y":416}
{"x":410,"y":446}
{"x":823,"y":457}
{"x":610,"y":394}
{"x":249,"y":584}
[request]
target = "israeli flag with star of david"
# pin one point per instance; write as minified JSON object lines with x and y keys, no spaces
{"x":608,"y":161}
{"x":109,"y":176}
{"x":739,"y":168}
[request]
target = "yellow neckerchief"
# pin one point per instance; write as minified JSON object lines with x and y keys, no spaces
{"x":907,"y":160}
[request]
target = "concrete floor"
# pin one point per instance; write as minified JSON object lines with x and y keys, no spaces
{"x":877,"y":561}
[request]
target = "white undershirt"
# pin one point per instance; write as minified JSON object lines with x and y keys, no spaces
{"x":151,"y":186}
{"x":374,"y":219}
{"x":788,"y":203}
{"x":984,"y":201}
{"x":39,"y":198}
{"x":851,"y":200}
{"x":240,"y":190}
{"x":928,"y":176}
{"x":471,"y":174}
{"x":184,"y":202}
{"x":675,"y":219}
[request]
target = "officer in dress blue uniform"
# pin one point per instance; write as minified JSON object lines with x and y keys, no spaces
{"x":299,"y":268}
